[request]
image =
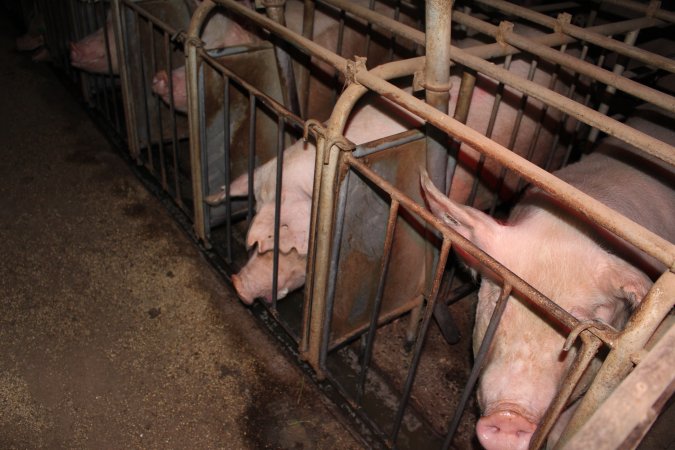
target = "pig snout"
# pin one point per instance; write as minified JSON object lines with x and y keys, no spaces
{"x":75,"y":53}
{"x":505,"y":430}
{"x":160,"y":84}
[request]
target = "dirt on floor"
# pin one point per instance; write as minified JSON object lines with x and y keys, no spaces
{"x":115,"y":332}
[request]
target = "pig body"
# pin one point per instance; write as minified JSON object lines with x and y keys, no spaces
{"x":585,"y":270}
{"x":255,"y":279}
{"x":91,"y":53}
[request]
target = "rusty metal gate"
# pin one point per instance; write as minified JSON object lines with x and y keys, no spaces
{"x":380,"y":267}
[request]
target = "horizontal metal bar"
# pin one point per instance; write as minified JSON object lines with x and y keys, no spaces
{"x":631,"y":87}
{"x":148,"y":16}
{"x":643,"y":8}
{"x":595,"y":38}
{"x":555,"y":311}
{"x":624,"y":418}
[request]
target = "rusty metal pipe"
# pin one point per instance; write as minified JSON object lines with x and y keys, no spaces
{"x":275,"y":11}
{"x":638,"y":90}
{"x":303,"y":70}
{"x":583,"y":34}
{"x":624,"y":418}
{"x":640,"y":327}
{"x":437,"y":84}
{"x":648,"y":10}
{"x":589,"y":348}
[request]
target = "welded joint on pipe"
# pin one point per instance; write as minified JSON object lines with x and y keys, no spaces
{"x":194,"y":42}
{"x":419,"y":83}
{"x":652,"y":8}
{"x":505,"y":27}
{"x":317,"y":128}
{"x":353,"y":68}
{"x":637,"y":356}
{"x":179,"y":36}
{"x":562,"y":21}
{"x":606,"y":333}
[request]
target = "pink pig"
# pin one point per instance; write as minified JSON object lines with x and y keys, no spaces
{"x":580,"y":267}
{"x":220,"y":31}
{"x":255,"y":278}
{"x":91,"y":54}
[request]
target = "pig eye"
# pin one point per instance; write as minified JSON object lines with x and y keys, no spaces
{"x":449,"y":219}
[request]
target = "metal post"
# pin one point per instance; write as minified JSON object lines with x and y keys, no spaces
{"x":275,"y":11}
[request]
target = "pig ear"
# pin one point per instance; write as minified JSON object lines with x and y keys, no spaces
{"x":238,"y":188}
{"x":625,"y":282}
{"x":294,"y":227}
{"x":471,"y":223}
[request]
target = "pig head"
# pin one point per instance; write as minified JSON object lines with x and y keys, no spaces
{"x":255,"y":279}
{"x":578,"y":266}
{"x":91,"y":53}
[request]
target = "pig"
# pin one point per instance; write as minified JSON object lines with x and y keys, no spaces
{"x":90,"y":53}
{"x":584,"y":269}
{"x":374,"y":122}
{"x":219,"y":31}
{"x":255,"y":278}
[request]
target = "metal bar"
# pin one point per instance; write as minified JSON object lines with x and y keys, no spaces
{"x":589,"y":348}
{"x":387,"y":317}
{"x":251,"y":160}
{"x":640,"y":327}
{"x":637,"y":235}
{"x":624,"y":418}
{"x":303,"y":69}
{"x":631,"y":87}
{"x":600,"y":40}
{"x":191,"y":67}
{"x":417,"y":352}
{"x":275,"y":11}
{"x":645,"y":9}
{"x":479,"y":361}
{"x":125,"y":78}
{"x":158,"y":103}
{"x":277,"y":209}
{"x":436,"y":83}
{"x":174,"y":130}
{"x":146,"y":108}
{"x":384,"y":266}
{"x":555,"y":312}
{"x":106,"y":43}
{"x":227,"y":165}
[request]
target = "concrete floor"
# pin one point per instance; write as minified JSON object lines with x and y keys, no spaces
{"x":114,"y":332}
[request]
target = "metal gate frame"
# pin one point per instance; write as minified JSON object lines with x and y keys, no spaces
{"x":330,"y":160}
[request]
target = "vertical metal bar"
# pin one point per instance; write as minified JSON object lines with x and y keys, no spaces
{"x":436,"y":80}
{"x":369,"y":29}
{"x":479,"y":362}
{"x":226,"y":169}
{"x":640,"y":327}
{"x":303,"y":69}
{"x":277,"y":210}
{"x":172,"y":114}
{"x":611,"y":90}
{"x":384,"y":266}
{"x":251,"y":158}
{"x":106,"y":40}
{"x":125,"y":78}
{"x":419,"y":343}
{"x":275,"y":11}
{"x":589,"y":348}
{"x":334,"y":261}
{"x":192,"y":67}
{"x":158,"y":109}
{"x":512,"y":138}
{"x":204,"y":163}
{"x":146,"y":108}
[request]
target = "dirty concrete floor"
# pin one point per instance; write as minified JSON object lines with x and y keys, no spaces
{"x":114,"y":332}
